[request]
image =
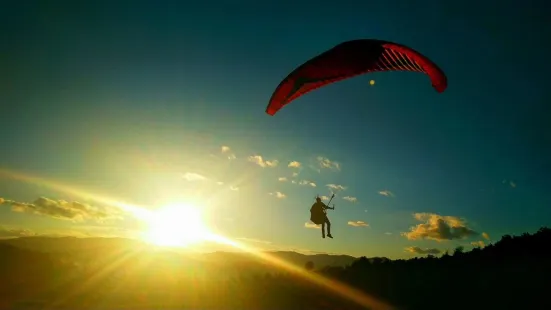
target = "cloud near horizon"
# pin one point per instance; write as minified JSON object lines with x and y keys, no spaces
{"x":257,"y":159}
{"x":358,"y":224}
{"x":253,"y":240}
{"x":478,"y":244}
{"x":282,"y":179}
{"x":439,"y":228}
{"x":11,"y":232}
{"x":418,"y":250}
{"x":64,"y":210}
{"x":80,"y":231}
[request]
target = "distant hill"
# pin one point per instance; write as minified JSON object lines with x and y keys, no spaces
{"x":115,"y":273}
{"x":93,"y":246}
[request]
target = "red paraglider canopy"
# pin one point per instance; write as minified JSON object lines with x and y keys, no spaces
{"x":349,"y":59}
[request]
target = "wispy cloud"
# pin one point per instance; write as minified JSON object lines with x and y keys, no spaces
{"x":358,"y":223}
{"x":324,"y":197}
{"x":336,"y":187}
{"x":190,"y":176}
{"x":295,"y":174}
{"x":257,"y":159}
{"x":485,"y":236}
{"x":386,"y":193}
{"x":279,"y":195}
{"x":234,"y":188}
{"x":306,"y":182}
{"x":439,"y":228}
{"x":226,"y":150}
{"x":60,"y":209}
{"x":294,"y":164}
{"x":282,"y":179}
{"x":326,"y":163}
{"x":418,"y":250}
{"x":511,"y":183}
{"x":350,"y":198}
{"x":312,"y":225}
{"x":388,"y":233}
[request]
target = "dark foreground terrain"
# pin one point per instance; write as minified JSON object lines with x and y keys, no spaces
{"x":39,"y":273}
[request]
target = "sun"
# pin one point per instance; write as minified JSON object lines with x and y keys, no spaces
{"x":176,"y":225}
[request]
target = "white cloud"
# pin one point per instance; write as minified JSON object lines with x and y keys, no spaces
{"x":386,"y":193}
{"x":190,"y":176}
{"x":227,"y":151}
{"x":350,"y":198}
{"x":295,"y":174}
{"x":257,"y":159}
{"x":324,"y":198}
{"x":65,"y":210}
{"x":358,"y":223}
{"x":282,"y":179}
{"x":234,"y":188}
{"x":294,"y":164}
{"x":326,"y":163}
{"x":306,"y":182}
{"x":279,"y":195}
{"x":336,"y":187}
{"x":312,"y":225}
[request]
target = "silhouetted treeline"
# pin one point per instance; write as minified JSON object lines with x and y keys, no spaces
{"x":513,"y":273}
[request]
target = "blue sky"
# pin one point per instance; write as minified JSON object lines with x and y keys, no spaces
{"x":124,"y":100}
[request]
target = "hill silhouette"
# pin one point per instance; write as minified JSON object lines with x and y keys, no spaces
{"x":117,"y":273}
{"x":88,"y":247}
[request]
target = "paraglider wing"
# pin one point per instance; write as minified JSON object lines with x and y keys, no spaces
{"x":349,"y":59}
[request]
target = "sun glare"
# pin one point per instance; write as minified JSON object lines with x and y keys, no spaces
{"x":177,"y":225}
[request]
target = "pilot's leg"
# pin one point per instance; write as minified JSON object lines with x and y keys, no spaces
{"x":328,"y":227}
